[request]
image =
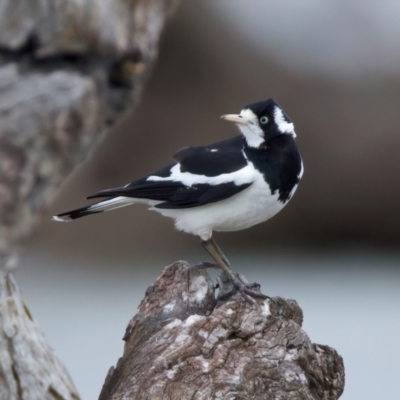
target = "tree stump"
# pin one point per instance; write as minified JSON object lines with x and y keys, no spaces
{"x":186,"y":344}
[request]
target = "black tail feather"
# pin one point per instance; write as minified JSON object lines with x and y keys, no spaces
{"x":75,"y":214}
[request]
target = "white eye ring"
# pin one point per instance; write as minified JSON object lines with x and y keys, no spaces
{"x":263,"y":120}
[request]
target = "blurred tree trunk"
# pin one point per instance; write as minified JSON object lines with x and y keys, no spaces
{"x":28,"y":367}
{"x":69,"y":70}
{"x":183,"y":344}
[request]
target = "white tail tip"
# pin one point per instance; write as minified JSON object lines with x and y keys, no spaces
{"x":61,"y":219}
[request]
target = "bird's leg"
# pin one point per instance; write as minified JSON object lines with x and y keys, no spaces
{"x":208,"y":245}
{"x":220,"y":252}
{"x":240,"y":286}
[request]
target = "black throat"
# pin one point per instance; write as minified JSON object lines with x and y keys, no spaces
{"x":279,"y":162}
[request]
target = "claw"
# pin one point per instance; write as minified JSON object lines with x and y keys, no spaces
{"x":238,"y":281}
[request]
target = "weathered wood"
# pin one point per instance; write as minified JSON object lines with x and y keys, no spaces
{"x":181,"y":346}
{"x":69,"y":70}
{"x":28,"y":368}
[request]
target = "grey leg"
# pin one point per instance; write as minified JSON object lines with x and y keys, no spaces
{"x":219,"y":251}
{"x":240,"y":286}
{"x":208,"y":245}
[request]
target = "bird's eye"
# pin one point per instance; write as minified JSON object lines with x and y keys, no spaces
{"x":263,"y":120}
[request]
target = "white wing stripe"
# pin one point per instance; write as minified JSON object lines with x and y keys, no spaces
{"x":240,"y":177}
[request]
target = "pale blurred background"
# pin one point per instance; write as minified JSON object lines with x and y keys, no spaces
{"x":335,"y":69}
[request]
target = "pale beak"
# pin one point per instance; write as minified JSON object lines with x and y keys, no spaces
{"x":237,"y":119}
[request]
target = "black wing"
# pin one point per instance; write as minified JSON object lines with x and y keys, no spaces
{"x":199,"y":195}
{"x":221,"y":158}
{"x":213,"y":160}
{"x":175,"y":194}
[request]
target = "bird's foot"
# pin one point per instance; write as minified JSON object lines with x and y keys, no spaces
{"x":229,"y":285}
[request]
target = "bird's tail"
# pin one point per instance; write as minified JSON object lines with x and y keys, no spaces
{"x":104,"y":205}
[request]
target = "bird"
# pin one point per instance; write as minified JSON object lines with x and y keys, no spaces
{"x":229,"y":185}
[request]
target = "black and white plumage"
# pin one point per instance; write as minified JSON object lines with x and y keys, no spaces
{"x":227,"y":186}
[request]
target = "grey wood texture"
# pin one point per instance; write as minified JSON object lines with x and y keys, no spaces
{"x":69,"y":70}
{"x":183,"y":344}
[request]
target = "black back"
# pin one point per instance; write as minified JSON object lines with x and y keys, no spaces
{"x":219,"y":158}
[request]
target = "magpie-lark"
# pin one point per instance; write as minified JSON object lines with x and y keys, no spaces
{"x":226,"y":186}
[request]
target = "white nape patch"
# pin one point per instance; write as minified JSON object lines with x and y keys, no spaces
{"x":252,"y":132}
{"x":240,"y":177}
{"x":283,"y":125}
{"x":214,"y":150}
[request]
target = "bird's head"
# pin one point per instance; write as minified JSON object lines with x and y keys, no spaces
{"x":261,"y":121}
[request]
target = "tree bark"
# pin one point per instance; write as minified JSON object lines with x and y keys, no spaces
{"x":28,"y":368}
{"x":185,"y":344}
{"x":69,"y":70}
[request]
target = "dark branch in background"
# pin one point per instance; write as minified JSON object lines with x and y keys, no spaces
{"x":181,"y":346}
{"x":68,"y":71}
